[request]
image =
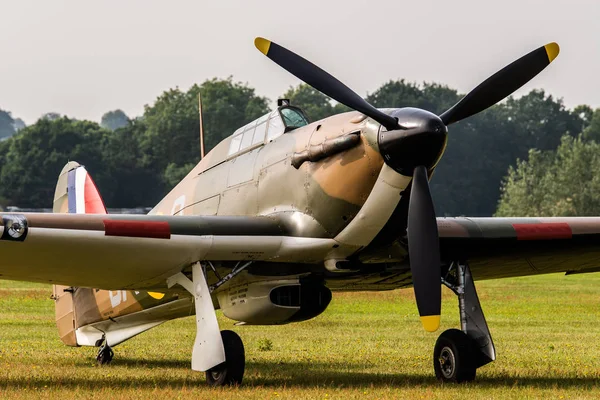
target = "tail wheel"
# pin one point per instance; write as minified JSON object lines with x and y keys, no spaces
{"x":231,"y":372}
{"x":105,"y":355}
{"x":454,"y":357}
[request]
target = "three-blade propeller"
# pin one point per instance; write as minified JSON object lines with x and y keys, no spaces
{"x":423,"y":240}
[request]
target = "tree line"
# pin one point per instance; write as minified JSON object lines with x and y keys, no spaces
{"x":489,"y":166}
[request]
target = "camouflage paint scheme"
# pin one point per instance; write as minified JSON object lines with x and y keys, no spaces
{"x":328,"y":194}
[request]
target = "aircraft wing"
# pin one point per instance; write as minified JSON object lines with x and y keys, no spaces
{"x":504,"y":247}
{"x":136,"y":251}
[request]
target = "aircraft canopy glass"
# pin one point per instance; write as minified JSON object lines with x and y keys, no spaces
{"x":293,"y":118}
{"x":272,"y":125}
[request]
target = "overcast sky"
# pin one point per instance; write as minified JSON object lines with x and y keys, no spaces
{"x":83,"y":58}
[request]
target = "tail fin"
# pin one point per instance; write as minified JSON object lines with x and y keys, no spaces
{"x":75,"y":193}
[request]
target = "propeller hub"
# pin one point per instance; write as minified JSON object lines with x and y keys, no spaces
{"x":420,"y":141}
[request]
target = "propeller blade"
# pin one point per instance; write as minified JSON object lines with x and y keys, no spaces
{"x":424,"y":251}
{"x":502,"y":84}
{"x":322,"y":81}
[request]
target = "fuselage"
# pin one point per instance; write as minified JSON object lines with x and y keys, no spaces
{"x":319,"y":198}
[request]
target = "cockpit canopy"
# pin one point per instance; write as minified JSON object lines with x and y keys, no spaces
{"x":270,"y":126}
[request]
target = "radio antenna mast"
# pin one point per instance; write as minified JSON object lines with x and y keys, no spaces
{"x":201,"y":126}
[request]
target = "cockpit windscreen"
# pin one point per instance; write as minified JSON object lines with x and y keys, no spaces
{"x":292,"y":118}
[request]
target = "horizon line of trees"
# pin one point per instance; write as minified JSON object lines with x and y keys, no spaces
{"x":488,"y":167}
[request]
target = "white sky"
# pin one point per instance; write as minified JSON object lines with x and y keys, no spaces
{"x":83,"y":58}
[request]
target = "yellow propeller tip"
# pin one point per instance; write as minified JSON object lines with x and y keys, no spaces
{"x":156,"y":295}
{"x":552,"y":50}
{"x":431,"y":323}
{"x":262,"y":44}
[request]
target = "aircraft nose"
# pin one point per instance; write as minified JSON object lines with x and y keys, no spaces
{"x":422,"y":142}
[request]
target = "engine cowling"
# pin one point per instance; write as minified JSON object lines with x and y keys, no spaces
{"x":273,"y":302}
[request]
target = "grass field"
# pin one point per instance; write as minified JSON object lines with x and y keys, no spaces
{"x":366,"y":345}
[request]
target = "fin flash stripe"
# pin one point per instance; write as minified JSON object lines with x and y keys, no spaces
{"x":83,"y":195}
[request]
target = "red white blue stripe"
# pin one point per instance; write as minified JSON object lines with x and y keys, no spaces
{"x":83,"y":195}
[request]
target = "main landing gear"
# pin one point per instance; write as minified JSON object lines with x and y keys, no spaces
{"x":458,"y":353}
{"x":218,"y":353}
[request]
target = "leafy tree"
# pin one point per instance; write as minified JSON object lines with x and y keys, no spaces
{"x":592,"y":130}
{"x":4,"y":147}
{"x":481,"y":149}
{"x":36,"y":155}
{"x":525,"y":187}
{"x":114,"y":120}
{"x":6,"y":124}
{"x":174,"y":174}
{"x":585,"y":114}
{"x":554,"y":183}
{"x":51,"y":116}
{"x":538,"y":121}
{"x":18,"y":124}
{"x":130,"y":182}
{"x":507,"y":133}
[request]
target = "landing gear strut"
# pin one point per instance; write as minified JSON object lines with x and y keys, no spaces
{"x":105,"y":354}
{"x":458,"y":353}
{"x":218,"y":353}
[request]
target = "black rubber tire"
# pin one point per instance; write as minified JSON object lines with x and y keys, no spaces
{"x":105,"y":356}
{"x":454,"y":357}
{"x":231,"y":372}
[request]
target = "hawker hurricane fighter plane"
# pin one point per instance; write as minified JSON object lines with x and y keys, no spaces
{"x":278,"y":216}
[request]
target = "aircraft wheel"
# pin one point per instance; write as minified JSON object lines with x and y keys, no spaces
{"x":231,"y":371}
{"x":105,"y":355}
{"x":454,"y":357}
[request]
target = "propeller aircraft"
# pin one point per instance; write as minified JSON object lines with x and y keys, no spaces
{"x":281,"y":214}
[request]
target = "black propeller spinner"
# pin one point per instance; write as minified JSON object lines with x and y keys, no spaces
{"x":411,"y":143}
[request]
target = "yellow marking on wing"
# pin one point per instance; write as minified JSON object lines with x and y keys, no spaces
{"x":262,"y":44}
{"x":552,"y":50}
{"x":156,"y":295}
{"x":431,"y":322}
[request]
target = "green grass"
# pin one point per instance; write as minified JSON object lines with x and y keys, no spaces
{"x":366,"y":345}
